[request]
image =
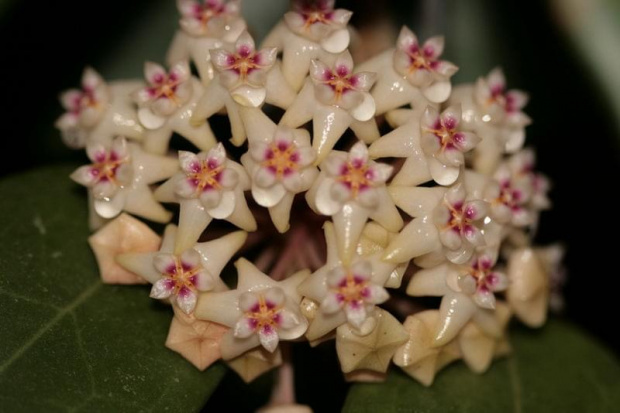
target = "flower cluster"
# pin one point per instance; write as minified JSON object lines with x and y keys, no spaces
{"x":446,"y":203}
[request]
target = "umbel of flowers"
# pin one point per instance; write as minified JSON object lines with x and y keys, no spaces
{"x":445,"y":204}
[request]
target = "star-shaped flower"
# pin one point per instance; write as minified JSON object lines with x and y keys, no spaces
{"x":260,"y":311}
{"x":445,"y":220}
{"x":121,"y":235}
{"x":119,"y":178}
{"x":421,"y":357}
{"x":311,"y":30}
{"x":209,"y":186}
{"x":182,"y":276}
{"x":334,"y":98}
{"x":166,"y":104}
{"x":205,"y":25}
{"x":351,"y":189}
{"x":98,"y":112}
{"x":345,"y":292}
{"x":280,"y":162}
{"x":197,"y":341}
{"x":433,"y":143}
{"x":411,"y":74}
{"x":528,"y":291}
{"x":467,"y":291}
{"x":371,"y":351}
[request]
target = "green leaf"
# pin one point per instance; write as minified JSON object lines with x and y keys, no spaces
{"x":69,"y":342}
{"x":555,"y":369}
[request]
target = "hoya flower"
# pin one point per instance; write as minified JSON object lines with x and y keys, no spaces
{"x":447,"y":222}
{"x":244,"y":70}
{"x":260,"y":311}
{"x":432,"y":143}
{"x":351,"y":189}
{"x":411,"y":74}
{"x":181,"y":277}
{"x":208,"y":17}
{"x":119,"y":177}
{"x":245,"y":78}
{"x":528,"y":292}
{"x":313,"y":29}
{"x":444,"y":143}
{"x":459,"y":222}
{"x":334,"y":99}
{"x":420,"y":63}
{"x":346,"y":291}
{"x":205,"y":25}
{"x":209,"y":186}
{"x":509,"y":196}
{"x":166,"y":103}
{"x":97,"y":112}
{"x":467,"y":291}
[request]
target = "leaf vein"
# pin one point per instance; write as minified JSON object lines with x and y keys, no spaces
{"x":515,"y":383}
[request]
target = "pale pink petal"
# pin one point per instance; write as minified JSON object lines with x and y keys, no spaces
{"x":319,"y":30}
{"x":268,"y":338}
{"x":467,"y":284}
{"x":119,"y":148}
{"x":186,"y":300}
{"x":451,"y":117}
{"x":203,"y":281}
{"x":356,"y":313}
{"x":245,"y":44}
{"x":358,"y":152}
{"x":381,"y":172}
{"x":319,"y":72}
{"x":165,"y":263}
{"x":248,"y":302}
{"x":142,"y":96}
{"x":325,"y":94}
{"x":180,"y":71}
{"x":441,"y":215}
{"x":185,"y":188}
{"x":229,"y":178}
{"x":430,"y":118}
{"x":210,"y":198}
{"x":84,"y":175}
{"x":293,"y":182}
{"x":154,"y":74}
{"x":521,"y":217}
{"x":124,"y":175}
{"x":244,"y":328}
{"x":340,"y":192}
{"x":305,"y":156}
{"x":516,"y":99}
{"x":406,"y":39}
{"x":497,"y":281}
{"x":375,"y":294}
{"x":496,"y":80}
{"x":340,"y":16}
{"x":420,"y":78}
{"x":184,"y":92}
{"x":294,"y":21}
{"x":162,"y":289}
{"x":258,"y":151}
{"x":334,"y":164}
{"x":401,"y":62}
{"x":264,"y":178}
{"x":70,"y":99}
{"x":363,"y":81}
{"x":501,"y":213}
{"x":266,"y":57}
{"x":336,"y":276}
{"x":445,"y":68}
{"x":473,"y":235}
{"x":274,"y":296}
{"x":430,"y":144}
{"x":350,"y":99}
{"x":288,"y":319}
{"x":362,"y":270}
{"x":221,"y":59}
{"x":485,"y":298}
{"x":433,"y":47}
{"x":189,"y":162}
{"x":456,"y":195}
{"x":187,"y":7}
{"x":465,"y":141}
{"x":104,"y":190}
{"x":91,"y":80}
{"x":191,"y":259}
{"x":229,"y":78}
{"x":89,"y":116}
{"x":331,"y":303}
{"x":450,"y":238}
{"x":257,"y":78}
{"x":344,"y":63}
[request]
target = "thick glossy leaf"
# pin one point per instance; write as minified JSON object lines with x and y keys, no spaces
{"x":67,"y":341}
{"x":555,"y":369}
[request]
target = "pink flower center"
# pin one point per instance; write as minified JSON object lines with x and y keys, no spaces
{"x":181,"y":277}
{"x":264,"y":315}
{"x":446,"y":133}
{"x":84,"y":100}
{"x":105,"y":167}
{"x":281,"y":158}
{"x":353,"y":290}
{"x":480,"y":270}
{"x":207,"y":11}
{"x":341,"y":80}
{"x":244,"y":62}
{"x":164,"y":86}
{"x":356,"y":175}
{"x":509,"y":196}
{"x":461,"y":218}
{"x":315,"y":12}
{"x":206,"y":175}
{"x":421,"y":58}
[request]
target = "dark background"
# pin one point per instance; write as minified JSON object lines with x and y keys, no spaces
{"x":45,"y":46}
